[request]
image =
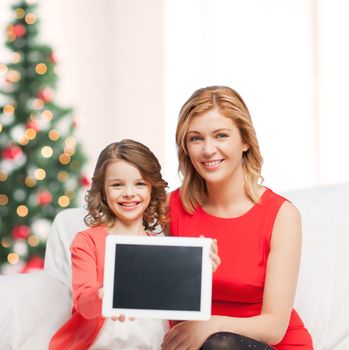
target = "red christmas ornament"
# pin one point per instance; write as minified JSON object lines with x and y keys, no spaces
{"x":44,"y":198}
{"x":32,"y":124}
{"x":19,"y":30}
{"x":20,"y":232}
{"x":52,"y":57}
{"x":12,"y":152}
{"x":85,"y":181}
{"x":46,"y":94}
{"x":35,"y":263}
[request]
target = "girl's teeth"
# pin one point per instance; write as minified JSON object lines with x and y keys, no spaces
{"x":128,"y":204}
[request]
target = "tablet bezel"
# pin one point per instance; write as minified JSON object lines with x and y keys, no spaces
{"x":206,"y":277}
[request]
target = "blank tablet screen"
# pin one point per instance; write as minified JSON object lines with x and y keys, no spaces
{"x":141,"y":277}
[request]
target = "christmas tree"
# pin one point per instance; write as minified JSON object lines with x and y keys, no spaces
{"x":41,"y":161}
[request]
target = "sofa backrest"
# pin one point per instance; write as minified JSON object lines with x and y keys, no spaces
{"x":57,"y":256}
{"x":323,"y":283}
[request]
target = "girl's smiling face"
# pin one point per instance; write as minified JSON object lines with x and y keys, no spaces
{"x":127,"y":193}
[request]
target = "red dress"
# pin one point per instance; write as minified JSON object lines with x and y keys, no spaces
{"x":244,"y":244}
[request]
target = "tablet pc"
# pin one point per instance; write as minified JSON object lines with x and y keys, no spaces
{"x":158,"y":277}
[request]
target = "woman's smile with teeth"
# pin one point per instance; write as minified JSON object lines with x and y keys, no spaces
{"x":212,"y":163}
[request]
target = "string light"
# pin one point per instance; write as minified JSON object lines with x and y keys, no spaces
{"x":69,"y":150}
{"x":62,"y":176}
{"x":20,"y":13}
{"x":16,"y":57}
{"x":5,"y":243}
{"x":11,"y":36}
{"x":38,"y":103}
{"x":74,"y":165}
{"x":13,"y":258}
{"x":9,"y":110}
{"x":70,"y":194}
{"x":33,"y":240}
{"x":64,"y":158}
{"x":63,"y":201}
{"x":3,"y":199}
{"x":23,"y":141}
{"x":13,"y":76}
{"x":3,"y":176}
{"x":30,"y":133}
{"x":41,"y":68}
{"x":53,"y":135}
{"x":3,"y":69}
{"x":47,"y":115}
{"x":70,"y":141}
{"x":22,"y":211}
{"x":30,"y":18}
{"x":40,"y":174}
{"x":46,"y":151}
{"x":30,"y":181}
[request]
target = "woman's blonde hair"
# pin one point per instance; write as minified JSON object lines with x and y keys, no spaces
{"x":228,"y":102}
{"x":144,"y":160}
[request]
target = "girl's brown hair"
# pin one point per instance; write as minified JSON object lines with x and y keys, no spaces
{"x":228,"y":102}
{"x":144,"y":160}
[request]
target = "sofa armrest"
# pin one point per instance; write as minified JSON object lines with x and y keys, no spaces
{"x":34,"y":307}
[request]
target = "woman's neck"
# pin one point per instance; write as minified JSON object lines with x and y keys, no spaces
{"x":228,"y":199}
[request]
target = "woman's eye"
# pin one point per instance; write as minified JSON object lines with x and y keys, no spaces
{"x":194,"y":138}
{"x":221,"y":136}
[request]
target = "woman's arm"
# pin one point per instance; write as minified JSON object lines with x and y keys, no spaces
{"x":280,"y":285}
{"x":84,"y":278}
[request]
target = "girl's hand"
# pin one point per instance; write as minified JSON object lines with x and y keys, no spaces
{"x":121,"y":317}
{"x":188,"y":335}
{"x":100,"y":293}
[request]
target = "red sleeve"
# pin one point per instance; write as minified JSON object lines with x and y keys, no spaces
{"x":84,"y":275}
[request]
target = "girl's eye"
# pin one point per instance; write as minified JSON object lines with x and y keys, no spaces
{"x":116,"y":185}
{"x":141,"y":183}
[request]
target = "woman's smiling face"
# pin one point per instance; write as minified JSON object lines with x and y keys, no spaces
{"x":215,"y":147}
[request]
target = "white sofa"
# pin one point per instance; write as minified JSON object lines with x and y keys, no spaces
{"x":35,"y":305}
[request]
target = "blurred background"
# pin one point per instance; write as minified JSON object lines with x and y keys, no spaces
{"x":126,"y":67}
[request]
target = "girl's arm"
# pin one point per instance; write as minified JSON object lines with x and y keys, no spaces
{"x":280,"y":285}
{"x":84,"y":277}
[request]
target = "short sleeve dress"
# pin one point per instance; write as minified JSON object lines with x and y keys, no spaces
{"x":244,"y":244}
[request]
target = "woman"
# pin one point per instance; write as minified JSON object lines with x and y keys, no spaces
{"x":258,"y":231}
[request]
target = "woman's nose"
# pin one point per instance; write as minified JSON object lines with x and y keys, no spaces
{"x":208,"y":148}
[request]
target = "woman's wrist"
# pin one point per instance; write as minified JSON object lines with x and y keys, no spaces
{"x":216,"y":324}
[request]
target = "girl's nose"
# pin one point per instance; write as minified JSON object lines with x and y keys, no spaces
{"x":129,"y":192}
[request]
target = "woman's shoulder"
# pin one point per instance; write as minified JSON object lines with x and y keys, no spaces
{"x":267,"y":195}
{"x":173,"y":198}
{"x":286,"y":207}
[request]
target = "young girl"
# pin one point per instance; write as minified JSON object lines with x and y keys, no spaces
{"x":127,"y":197}
{"x":258,"y":231}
